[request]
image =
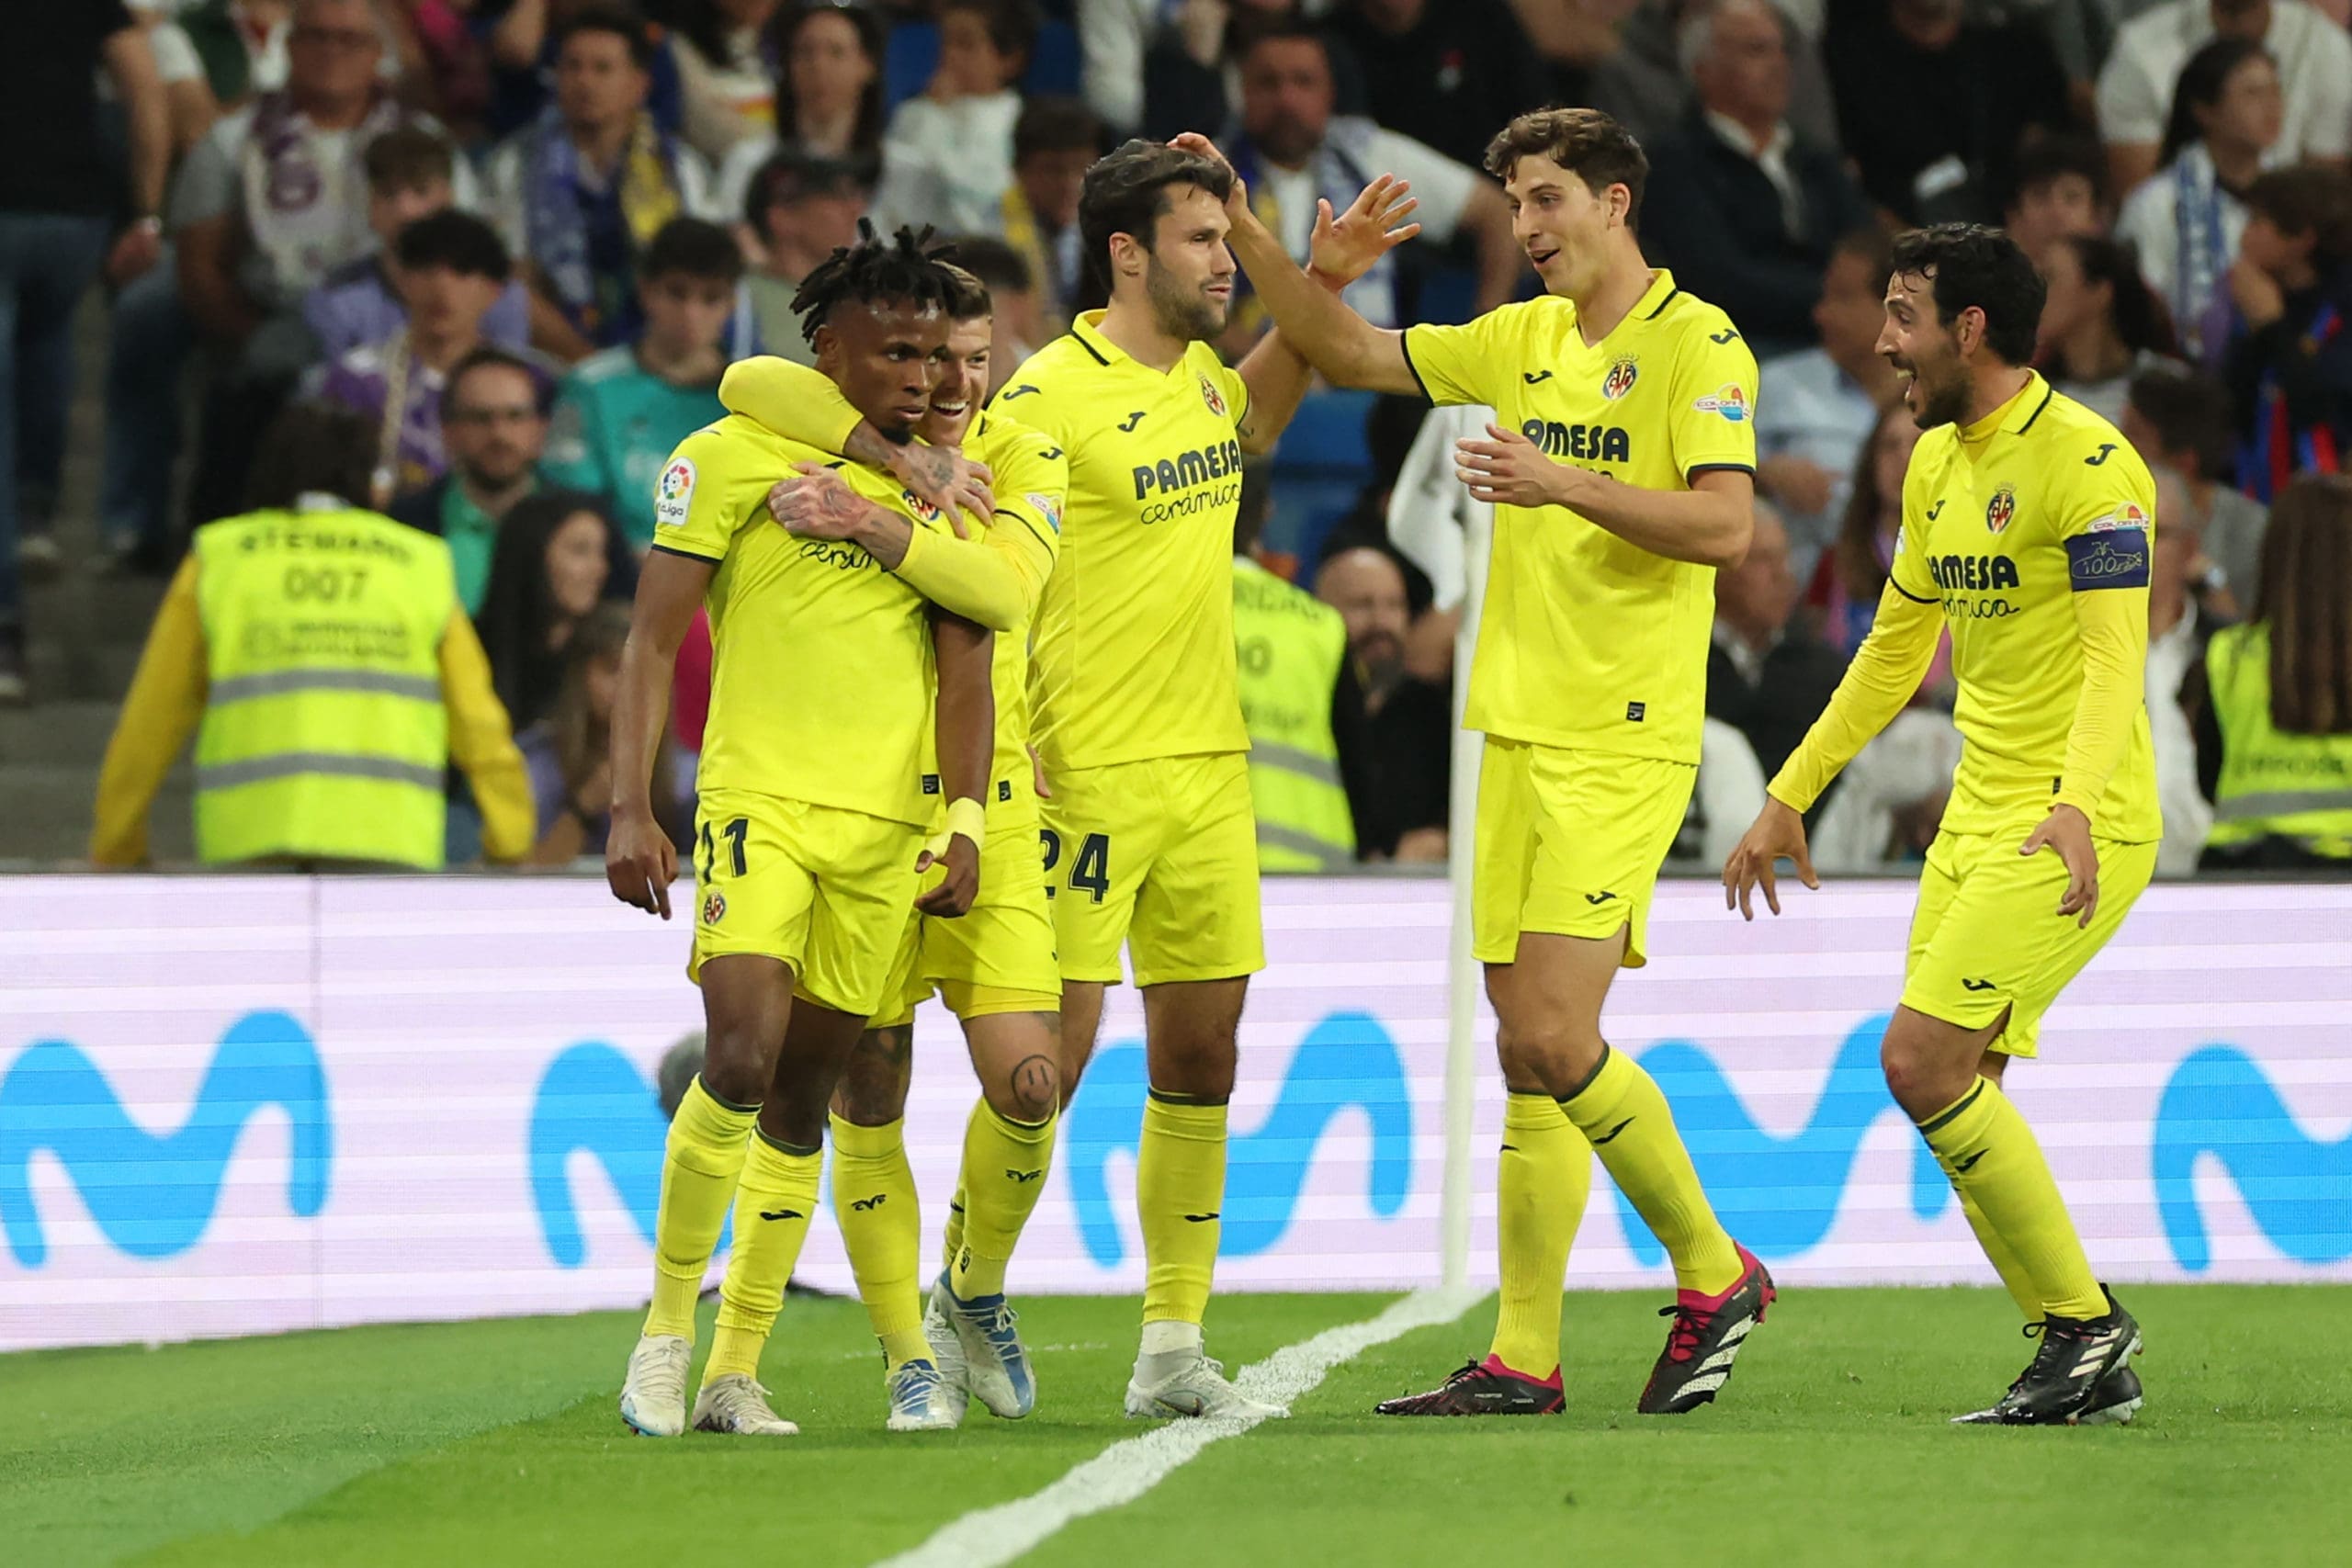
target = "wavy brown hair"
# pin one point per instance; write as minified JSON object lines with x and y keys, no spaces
{"x":2306,"y":602}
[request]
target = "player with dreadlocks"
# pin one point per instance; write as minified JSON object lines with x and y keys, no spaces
{"x":810,"y":838}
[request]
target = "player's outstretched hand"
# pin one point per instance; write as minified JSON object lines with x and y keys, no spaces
{"x":1508,"y":470}
{"x":2068,"y":832}
{"x":954,"y":895}
{"x":1346,"y":247}
{"x":959,"y":487}
{"x":1237,"y":201}
{"x":1777,"y":834}
{"x":641,"y":862}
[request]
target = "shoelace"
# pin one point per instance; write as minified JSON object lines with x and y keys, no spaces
{"x":1690,"y":1326}
{"x":666,"y":1379}
{"x":736,"y":1396}
{"x":1469,"y":1369}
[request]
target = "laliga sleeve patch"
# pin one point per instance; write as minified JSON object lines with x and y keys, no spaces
{"x":2112,"y":557}
{"x":674,"y":493}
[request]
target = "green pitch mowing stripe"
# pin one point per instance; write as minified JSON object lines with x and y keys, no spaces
{"x":566,"y":1484}
{"x":1830,"y":1448}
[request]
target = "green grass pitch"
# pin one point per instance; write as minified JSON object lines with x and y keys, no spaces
{"x":496,"y":1442}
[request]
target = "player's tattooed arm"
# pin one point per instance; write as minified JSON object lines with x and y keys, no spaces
{"x":940,"y":475}
{"x":817,"y":503}
{"x":994,"y":580}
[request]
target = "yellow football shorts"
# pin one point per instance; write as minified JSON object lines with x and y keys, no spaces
{"x":1570,"y":843}
{"x":1161,"y":855}
{"x":996,"y":957}
{"x":825,"y":890}
{"x":1987,"y":934}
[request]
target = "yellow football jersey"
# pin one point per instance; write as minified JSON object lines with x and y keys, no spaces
{"x":1031,"y":480}
{"x":822,"y":685}
{"x":2003,"y":524}
{"x":1134,"y":654}
{"x":1588,"y":641}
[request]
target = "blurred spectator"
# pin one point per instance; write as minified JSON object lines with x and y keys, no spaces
{"x":452,"y":63}
{"x":1017,"y":323}
{"x":307,"y":758}
{"x":1853,"y":573}
{"x":2061,"y":191}
{"x":1394,"y":731}
{"x":800,"y":207}
{"x":583,"y":191}
{"x":2313,"y":56}
{"x":726,"y":82}
{"x":1053,"y":143}
{"x":60,"y":208}
{"x":2274,"y":721}
{"x":2186,"y":220}
{"x":411,"y":174}
{"x":829,"y":98}
{"x":1290,"y":649}
{"x":620,"y":413}
{"x":450,"y":269}
{"x":494,"y":430}
{"x":2179,"y":422}
{"x":1890,"y":800}
{"x":1726,"y":796}
{"x":1292,"y":151}
{"x":1445,"y":73}
{"x":558,"y":555}
{"x":1816,"y":408}
{"x":947,"y":156}
{"x":1433,"y":518}
{"x":526,"y":37}
{"x":1752,"y":212}
{"x":1134,"y":52}
{"x":569,"y":753}
{"x":241,"y":46}
{"x":1934,"y":107}
{"x":1767,"y":676}
{"x":2289,"y":363}
{"x":1636,"y":71}
{"x":270,"y":202}
{"x":2178,"y":630}
{"x":2099,"y":323}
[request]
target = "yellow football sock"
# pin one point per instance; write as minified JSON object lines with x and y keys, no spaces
{"x":1622,"y":1110}
{"x":2005,"y":1262}
{"x":951,"y":1239}
{"x":700,"y":1162}
{"x":1179,"y":1192}
{"x":774,"y":1204}
{"x":1546,"y":1176}
{"x":1004,"y":1169}
{"x":1992,"y":1158}
{"x":874,"y":1199}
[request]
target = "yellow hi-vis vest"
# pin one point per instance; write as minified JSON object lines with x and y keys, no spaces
{"x":2293,"y":786}
{"x":324,"y":735}
{"x":1290,"y":645}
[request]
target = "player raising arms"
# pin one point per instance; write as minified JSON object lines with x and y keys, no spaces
{"x":1148,"y":837}
{"x":812,"y":816}
{"x":2027,"y":523}
{"x":1623,"y":473}
{"x":995,"y":965}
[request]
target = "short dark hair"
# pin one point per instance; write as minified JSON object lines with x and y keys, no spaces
{"x":1249,"y":28}
{"x":1870,"y":244}
{"x":314,"y":447}
{"x":1012,"y":25}
{"x":1127,"y":192}
{"x":406,"y":157}
{"x":908,"y":268}
{"x":791,"y":174}
{"x":2307,"y":200}
{"x":456,"y":241}
{"x":489,"y":356}
{"x":2189,"y":413}
{"x":1054,"y":124}
{"x":623,"y":24}
{"x":1585,"y":143}
{"x":1970,"y":264}
{"x":998,"y":266}
{"x":2141,"y":322}
{"x":967,"y":297}
{"x":2046,"y":159}
{"x":694,"y":248}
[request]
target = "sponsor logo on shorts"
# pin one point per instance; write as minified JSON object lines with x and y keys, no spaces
{"x":674,"y":493}
{"x":1634,"y":712}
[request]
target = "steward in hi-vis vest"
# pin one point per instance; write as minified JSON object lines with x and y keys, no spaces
{"x":1290,"y":646}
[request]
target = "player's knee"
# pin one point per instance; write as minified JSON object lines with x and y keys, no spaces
{"x":1921,"y":1079}
{"x":1552,"y":1057}
{"x":735,"y":1065}
{"x":1029,"y":1092}
{"x":872,"y":1087}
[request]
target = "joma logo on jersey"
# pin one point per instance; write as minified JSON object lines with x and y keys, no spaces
{"x":1188,"y":468}
{"x":1588,"y":442}
{"x":1982,"y":574}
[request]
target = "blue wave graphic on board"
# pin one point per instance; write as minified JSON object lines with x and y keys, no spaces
{"x":591,"y":1098}
{"x":1347,"y":1060}
{"x":2298,"y":1189}
{"x":1778,"y":1196}
{"x":152,"y":1195}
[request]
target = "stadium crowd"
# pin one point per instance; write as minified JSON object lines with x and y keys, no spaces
{"x":517,"y":241}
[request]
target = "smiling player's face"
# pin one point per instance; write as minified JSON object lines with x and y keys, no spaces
{"x":1561,"y":223}
{"x":1924,"y":351}
{"x":962,"y":383}
{"x":886,"y":358}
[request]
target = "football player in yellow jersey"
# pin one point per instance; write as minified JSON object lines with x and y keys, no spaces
{"x":1622,"y":468}
{"x":995,"y":965}
{"x":2026,"y":525}
{"x":813,"y":815}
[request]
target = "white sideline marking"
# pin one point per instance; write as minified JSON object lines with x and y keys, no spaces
{"x":989,"y":1538}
